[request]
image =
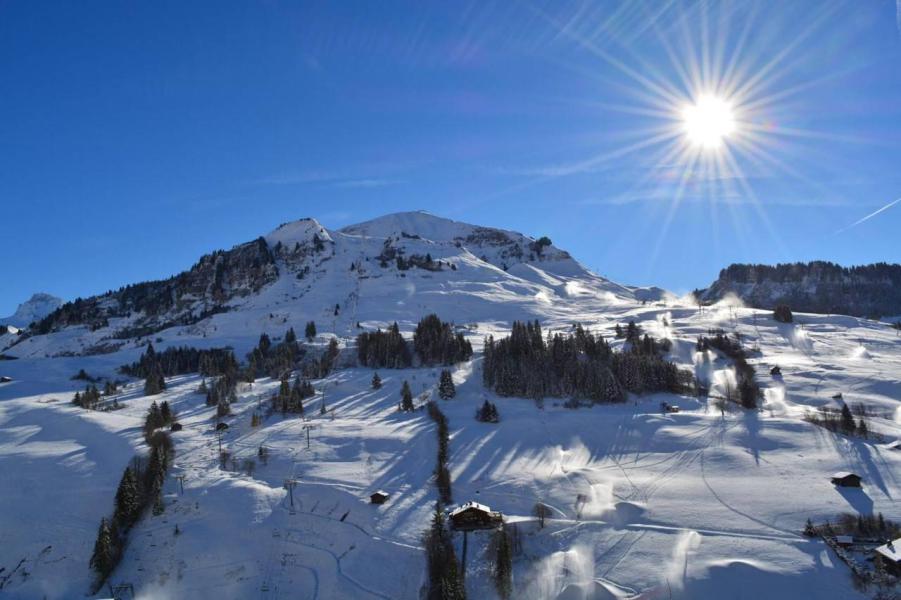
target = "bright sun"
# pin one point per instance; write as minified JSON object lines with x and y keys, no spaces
{"x":708,"y":121}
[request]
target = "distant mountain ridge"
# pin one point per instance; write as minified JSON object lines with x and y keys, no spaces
{"x":817,"y":287}
{"x":35,"y":308}
{"x":392,"y":267}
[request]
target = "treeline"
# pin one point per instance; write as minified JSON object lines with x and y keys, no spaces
{"x":289,"y":399}
{"x":279,"y":360}
{"x":181,"y":361}
{"x":578,"y":365}
{"x":746,"y":391}
{"x":139,"y":488}
{"x":840,"y":421}
{"x":820,"y":287}
{"x":384,"y":349}
{"x":434,"y":343}
{"x":274,"y":360}
{"x":222,"y":393}
{"x":442,"y":474}
{"x":444,"y":572}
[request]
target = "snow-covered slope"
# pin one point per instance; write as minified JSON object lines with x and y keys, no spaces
{"x":34,"y":309}
{"x":375,"y":272}
{"x":702,"y":503}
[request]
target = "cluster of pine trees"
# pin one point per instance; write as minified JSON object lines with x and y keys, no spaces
{"x":578,"y":365}
{"x":158,"y":415}
{"x":290,"y":399}
{"x":182,"y":360}
{"x":89,"y":398}
{"x":140,"y":487}
{"x":275,"y":361}
{"x":840,"y":421}
{"x":221,"y":394}
{"x":435,"y":343}
{"x":747,"y":391}
{"x":384,"y":349}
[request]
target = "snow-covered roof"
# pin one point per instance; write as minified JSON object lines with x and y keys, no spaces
{"x":379,"y":493}
{"x":467,"y":506}
{"x":843,"y":474}
{"x":896,"y":445}
{"x":891,"y":551}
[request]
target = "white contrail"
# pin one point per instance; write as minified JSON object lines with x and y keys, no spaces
{"x":875,"y":212}
{"x":898,"y":15}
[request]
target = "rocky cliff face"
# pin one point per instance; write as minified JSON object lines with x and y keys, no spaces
{"x":816,"y":287}
{"x":35,"y":308}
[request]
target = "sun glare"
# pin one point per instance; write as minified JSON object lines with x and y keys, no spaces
{"x":708,"y":122}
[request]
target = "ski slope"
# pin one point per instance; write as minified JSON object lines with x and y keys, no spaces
{"x":695,"y":504}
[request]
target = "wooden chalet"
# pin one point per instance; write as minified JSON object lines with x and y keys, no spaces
{"x":378,"y":497}
{"x":846,"y":479}
{"x":889,"y":555}
{"x":472,"y":515}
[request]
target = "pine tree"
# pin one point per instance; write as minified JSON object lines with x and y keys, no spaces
{"x":290,"y":336}
{"x":376,"y":381}
{"x":264,"y":344}
{"x":127,"y":501}
{"x":310,"y":331}
{"x":104,"y":557}
{"x":848,"y":425}
{"x":862,"y":429}
{"x":503,"y":564}
{"x":165,"y":413}
{"x":446,"y":389}
{"x":406,"y":395}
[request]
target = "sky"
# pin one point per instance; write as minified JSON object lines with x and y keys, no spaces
{"x":137,"y":136}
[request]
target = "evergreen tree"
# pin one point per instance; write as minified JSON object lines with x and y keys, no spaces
{"x":445,"y":580}
{"x":446,"y":389}
{"x":128,"y":504}
{"x":503,"y":564}
{"x":290,"y":336}
{"x":862,"y":429}
{"x":105,"y":555}
{"x":406,"y":397}
{"x":848,"y":425}
{"x":376,"y":381}
{"x":310,"y":331}
{"x":165,"y":413}
{"x":264,"y":344}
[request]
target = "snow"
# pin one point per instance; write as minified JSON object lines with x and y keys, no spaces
{"x":34,"y":309}
{"x":891,"y":551}
{"x":702,"y":503}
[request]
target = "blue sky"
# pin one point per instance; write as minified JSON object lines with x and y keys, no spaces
{"x":135,"y":137}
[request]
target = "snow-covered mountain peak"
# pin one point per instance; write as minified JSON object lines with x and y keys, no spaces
{"x":35,"y":308}
{"x":301,"y":231}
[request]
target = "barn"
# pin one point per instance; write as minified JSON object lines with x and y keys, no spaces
{"x":846,"y":479}
{"x":378,"y":497}
{"x":889,"y":555}
{"x":473,"y":515}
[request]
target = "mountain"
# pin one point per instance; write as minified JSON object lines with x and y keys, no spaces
{"x":816,"y":287}
{"x":34,"y":309}
{"x":666,"y":494}
{"x":394,"y":268}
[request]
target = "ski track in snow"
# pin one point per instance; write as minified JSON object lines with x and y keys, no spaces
{"x":694,"y":493}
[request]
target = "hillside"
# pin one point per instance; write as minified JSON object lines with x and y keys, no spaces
{"x":872,"y":291}
{"x":706,"y":502}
